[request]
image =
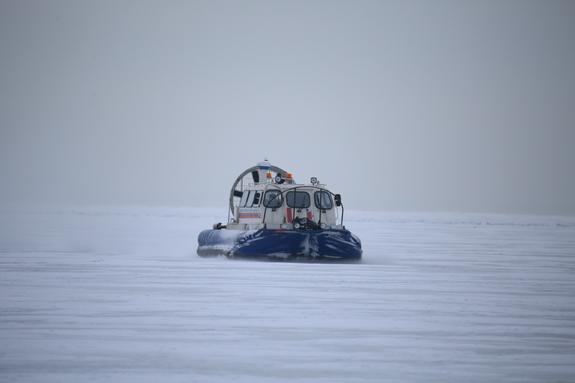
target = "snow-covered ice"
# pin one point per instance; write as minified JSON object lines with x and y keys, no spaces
{"x":119,"y":294}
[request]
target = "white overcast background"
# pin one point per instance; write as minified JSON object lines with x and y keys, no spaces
{"x":407,"y":105}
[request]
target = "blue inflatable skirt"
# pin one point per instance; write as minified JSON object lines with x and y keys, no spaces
{"x":288,"y":245}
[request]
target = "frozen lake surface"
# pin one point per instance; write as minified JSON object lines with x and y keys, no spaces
{"x":119,"y":295}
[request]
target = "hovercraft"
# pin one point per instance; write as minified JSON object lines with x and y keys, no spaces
{"x":274,"y":218}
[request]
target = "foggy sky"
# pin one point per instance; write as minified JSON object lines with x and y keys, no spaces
{"x":408,"y":105}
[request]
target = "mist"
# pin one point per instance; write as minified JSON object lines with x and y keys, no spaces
{"x":413,"y":106}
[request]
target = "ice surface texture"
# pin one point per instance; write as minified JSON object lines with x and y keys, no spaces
{"x":119,"y":295}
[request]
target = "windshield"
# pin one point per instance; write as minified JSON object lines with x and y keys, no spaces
{"x":273,"y":199}
{"x":323,"y":200}
{"x":298,"y":199}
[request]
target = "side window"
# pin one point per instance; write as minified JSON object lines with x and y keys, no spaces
{"x":298,"y":199}
{"x":250,"y":201}
{"x":273,"y":199}
{"x":244,"y":198}
{"x":323,"y":200}
{"x":257,"y":198}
